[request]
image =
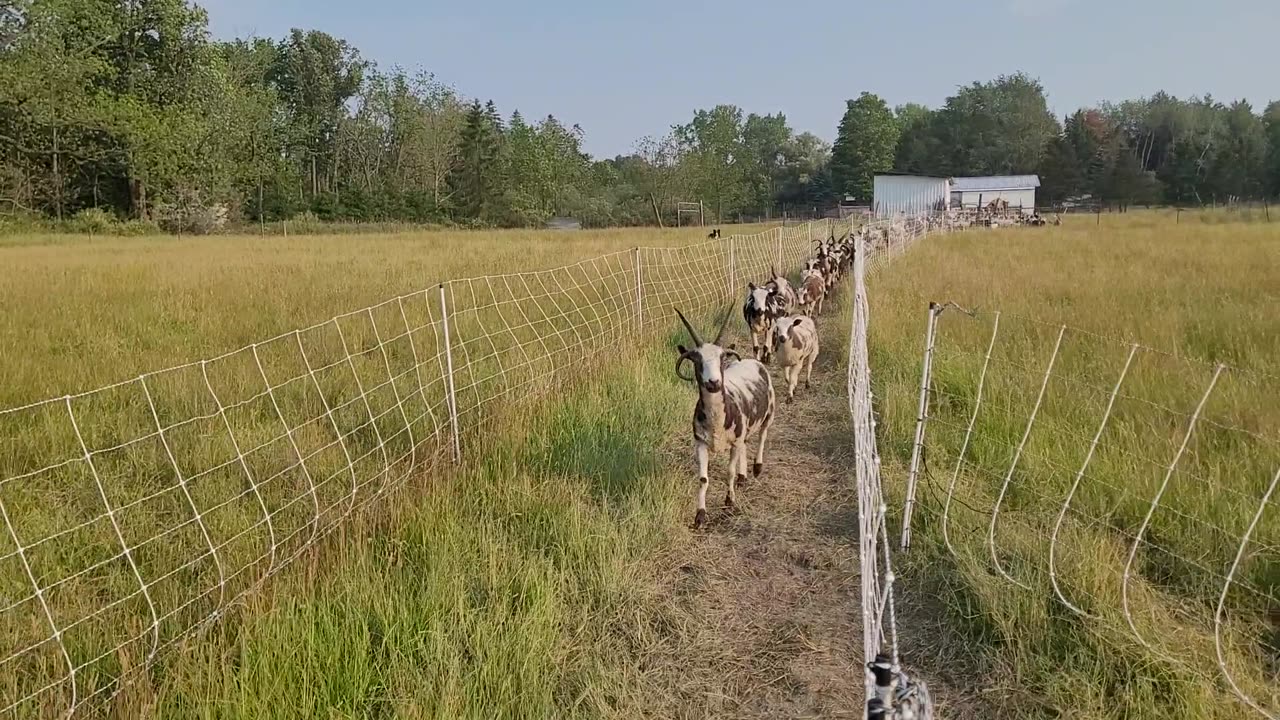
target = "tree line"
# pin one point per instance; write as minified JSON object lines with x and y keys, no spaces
{"x":1161,"y":149}
{"x":132,"y":109}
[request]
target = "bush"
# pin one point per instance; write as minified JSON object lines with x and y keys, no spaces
{"x":94,"y":221}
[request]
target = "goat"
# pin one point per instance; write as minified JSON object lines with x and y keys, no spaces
{"x":714,"y":234}
{"x":813,"y":289}
{"x":735,"y":401}
{"x":795,"y":343}
{"x":762,"y":307}
{"x":786,"y":294}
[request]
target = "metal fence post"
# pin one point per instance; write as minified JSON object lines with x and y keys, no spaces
{"x":922,"y":416}
{"x":453,"y":396}
{"x":639,"y":294}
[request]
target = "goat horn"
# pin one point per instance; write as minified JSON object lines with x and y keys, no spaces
{"x":692,"y":333}
{"x":680,"y":361}
{"x":723,"y":325}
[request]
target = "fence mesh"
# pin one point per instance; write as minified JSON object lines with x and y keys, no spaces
{"x":1135,"y":489}
{"x":890,"y":693}
{"x":137,"y":513}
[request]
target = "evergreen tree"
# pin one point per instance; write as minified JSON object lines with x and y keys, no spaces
{"x":474,"y":182}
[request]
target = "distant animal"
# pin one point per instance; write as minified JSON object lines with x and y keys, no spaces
{"x":795,"y":344}
{"x":714,"y":234}
{"x":735,"y":401}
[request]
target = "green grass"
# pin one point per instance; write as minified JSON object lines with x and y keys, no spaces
{"x":1201,"y":293}
{"x":515,"y":589}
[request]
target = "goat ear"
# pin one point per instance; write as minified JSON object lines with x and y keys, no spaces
{"x":751,"y":286}
{"x":797,"y":322}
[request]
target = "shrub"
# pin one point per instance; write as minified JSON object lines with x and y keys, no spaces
{"x":94,"y":221}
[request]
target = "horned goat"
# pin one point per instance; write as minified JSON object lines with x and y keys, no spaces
{"x":762,"y":307}
{"x":786,"y":294}
{"x":795,"y":343}
{"x":735,"y":401}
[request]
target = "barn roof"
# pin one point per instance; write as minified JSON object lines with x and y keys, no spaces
{"x":898,"y":173}
{"x":995,"y":182}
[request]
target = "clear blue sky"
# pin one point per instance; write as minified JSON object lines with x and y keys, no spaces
{"x":627,"y":69}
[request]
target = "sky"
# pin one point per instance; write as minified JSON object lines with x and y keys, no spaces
{"x":623,"y":70}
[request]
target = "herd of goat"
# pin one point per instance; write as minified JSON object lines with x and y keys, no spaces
{"x":736,"y":398}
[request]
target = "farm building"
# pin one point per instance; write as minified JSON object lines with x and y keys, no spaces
{"x":1018,"y":190}
{"x":896,"y":194}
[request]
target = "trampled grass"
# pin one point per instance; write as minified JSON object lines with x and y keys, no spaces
{"x":204,"y":481}
{"x":1203,"y":294}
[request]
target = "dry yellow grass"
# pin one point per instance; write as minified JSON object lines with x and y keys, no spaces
{"x":82,"y":312}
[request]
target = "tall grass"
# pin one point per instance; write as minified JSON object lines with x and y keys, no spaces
{"x":1201,"y":293}
{"x":266,"y":449}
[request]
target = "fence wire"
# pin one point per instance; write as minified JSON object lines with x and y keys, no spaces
{"x":889,"y":691}
{"x":1134,"y":488}
{"x":137,"y":513}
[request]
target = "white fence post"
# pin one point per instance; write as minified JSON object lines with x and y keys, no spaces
{"x":782,"y":268}
{"x":639,"y":294}
{"x":453,"y":396}
{"x":922,"y":416}
{"x":732,"y":269}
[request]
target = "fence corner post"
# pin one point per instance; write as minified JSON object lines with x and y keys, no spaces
{"x":453,"y":395}
{"x":922,"y":417}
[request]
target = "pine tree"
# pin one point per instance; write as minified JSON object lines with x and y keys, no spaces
{"x":474,"y":180}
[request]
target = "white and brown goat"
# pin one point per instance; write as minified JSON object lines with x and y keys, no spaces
{"x":813,"y":290}
{"x":735,"y":401}
{"x":795,"y":344}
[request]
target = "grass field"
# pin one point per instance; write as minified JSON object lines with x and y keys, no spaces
{"x":522,"y":584}
{"x":509,"y":587}
{"x":1202,"y":292}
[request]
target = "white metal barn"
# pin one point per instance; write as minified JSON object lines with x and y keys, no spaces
{"x":909,"y":194}
{"x":1018,"y":190}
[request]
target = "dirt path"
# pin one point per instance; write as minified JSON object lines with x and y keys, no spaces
{"x":766,"y":601}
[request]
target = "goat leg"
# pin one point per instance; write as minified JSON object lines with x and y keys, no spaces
{"x":701,"y":452}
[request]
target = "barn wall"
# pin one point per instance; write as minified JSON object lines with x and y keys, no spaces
{"x":1027,"y":198}
{"x":910,"y":195}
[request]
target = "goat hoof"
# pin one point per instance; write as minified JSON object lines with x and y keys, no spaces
{"x":756,"y":469}
{"x":699,"y":519}
{"x":730,"y":508}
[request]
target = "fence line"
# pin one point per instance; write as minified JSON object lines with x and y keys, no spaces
{"x":137,"y":513}
{"x":890,"y":692}
{"x":1138,"y":493}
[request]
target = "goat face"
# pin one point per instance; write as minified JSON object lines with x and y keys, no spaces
{"x":709,"y":359}
{"x":782,"y":330}
{"x":761,"y":299}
